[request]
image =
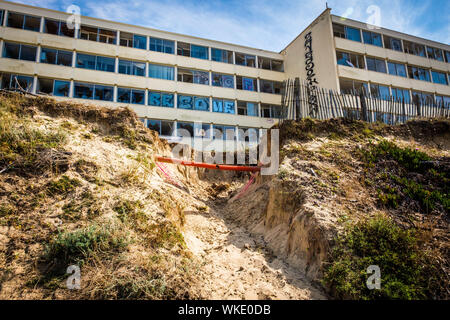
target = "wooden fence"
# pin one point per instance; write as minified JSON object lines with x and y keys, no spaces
{"x":302,"y":100}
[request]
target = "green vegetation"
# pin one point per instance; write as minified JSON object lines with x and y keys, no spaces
{"x":405,"y":269}
{"x":408,"y":158}
{"x":63,"y":186}
{"x":76,"y":246}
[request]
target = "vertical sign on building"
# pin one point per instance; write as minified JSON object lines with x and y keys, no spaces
{"x":310,"y":77}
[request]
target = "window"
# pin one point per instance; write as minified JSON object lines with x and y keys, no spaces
{"x":19,"y":51}
{"x":397,"y":69}
{"x":87,"y":61}
{"x":351,"y":87}
{"x":161,"y":45}
{"x":224,"y":132}
{"x":58,"y":28}
{"x":392,"y":43}
{"x":161,"y":72}
{"x":380,"y":92}
{"x":247,"y":108}
{"x":243,"y":83}
{"x":422,"y":98}
{"x":439,"y":77}
{"x":164,"y":128}
{"x":97,"y":34}
{"x":133,"y":96}
{"x":193,"y":103}
{"x":59,"y":57}
{"x":401,"y":95}
{"x":414,"y":48}
{"x":91,"y":91}
{"x":350,"y":60}
{"x":273,"y":87}
{"x":223,"y":80}
{"x":434,"y":53}
{"x":15,"y":81}
{"x":2,"y":14}
{"x":418,"y":73}
{"x":199,"y":52}
{"x":193,"y":76}
{"x":447,"y":56}
{"x":132,"y":68}
{"x":185,"y":129}
{"x":372,"y":38}
{"x":270,"y":111}
{"x":21,"y":21}
{"x":61,"y":88}
{"x":220,"y":55}
{"x":53,"y":87}
{"x":243,"y":59}
{"x":202,"y":130}
{"x":161,"y":99}
{"x":269,"y":64}
{"x":345,"y":32}
{"x":443,"y":102}
{"x":248,"y":134}
{"x":191,"y":50}
{"x":224,"y":106}
{"x":133,"y":40}
{"x":376,"y":65}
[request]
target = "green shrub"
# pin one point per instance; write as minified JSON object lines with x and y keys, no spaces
{"x":63,"y":186}
{"x":405,"y":269}
{"x":77,"y":246}
{"x":408,"y":158}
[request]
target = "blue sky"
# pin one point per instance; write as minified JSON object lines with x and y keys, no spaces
{"x":265,"y":24}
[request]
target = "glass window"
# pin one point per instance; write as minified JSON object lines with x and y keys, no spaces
{"x":224,"y":132}
{"x":269,"y":64}
{"x":104,"y":93}
{"x":83,"y":90}
{"x":185,"y":102}
{"x":401,"y":95}
{"x":199,"y":52}
{"x":133,"y":96}
{"x":270,"y":86}
{"x":248,"y":134}
{"x":132,"y":68}
{"x":352,"y":34}
{"x":245,"y":60}
{"x":28,"y":53}
{"x":61,"y":88}
{"x":392,"y":43}
{"x":154,"y":125}
{"x":193,"y":76}
{"x":53,"y":56}
{"x":185,"y":129}
{"x":247,"y":108}
{"x":414,"y":48}
{"x":167,"y":128}
{"x":220,"y":55}
{"x":447,"y":56}
{"x":97,"y":34}
{"x":243,"y":83}
{"x":419,"y":73}
{"x":85,"y":61}
{"x":2,"y":14}
{"x":270,"y":111}
{"x":14,"y":81}
{"x":439,"y":77}
{"x":223,"y":80}
{"x":224,"y":106}
{"x":161,"y":99}
{"x":350,"y":59}
{"x":140,"y":42}
{"x":380,"y":92}
{"x":161,"y":45}
{"x":160,"y":72}
{"x":105,"y":64}
{"x":397,"y":69}
{"x":376,"y":65}
{"x":201,"y":103}
{"x":422,"y":98}
{"x":183,"y":49}
{"x":123,"y":95}
{"x":435,"y":53}
{"x":11,"y":50}
{"x":372,"y":38}
{"x":20,"y":21}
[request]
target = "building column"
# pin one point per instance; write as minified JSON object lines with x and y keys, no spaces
{"x":74,"y":59}
{"x":259,"y":110}
{"x":115,"y":92}
{"x":116,"y":65}
{"x":146,"y":97}
{"x":41,"y":27}
{"x":35,"y":82}
{"x":118,"y":38}
{"x":209,"y":53}
{"x":71,"y":89}
{"x":38,"y":53}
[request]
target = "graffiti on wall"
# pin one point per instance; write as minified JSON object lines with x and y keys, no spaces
{"x":311,"y":76}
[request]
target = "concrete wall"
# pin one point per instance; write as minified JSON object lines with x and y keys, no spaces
{"x":323,"y":53}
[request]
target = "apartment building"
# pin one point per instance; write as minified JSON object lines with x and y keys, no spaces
{"x":347,"y":55}
{"x":175,"y":81}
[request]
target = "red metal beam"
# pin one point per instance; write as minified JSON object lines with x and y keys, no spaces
{"x":208,"y":165}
